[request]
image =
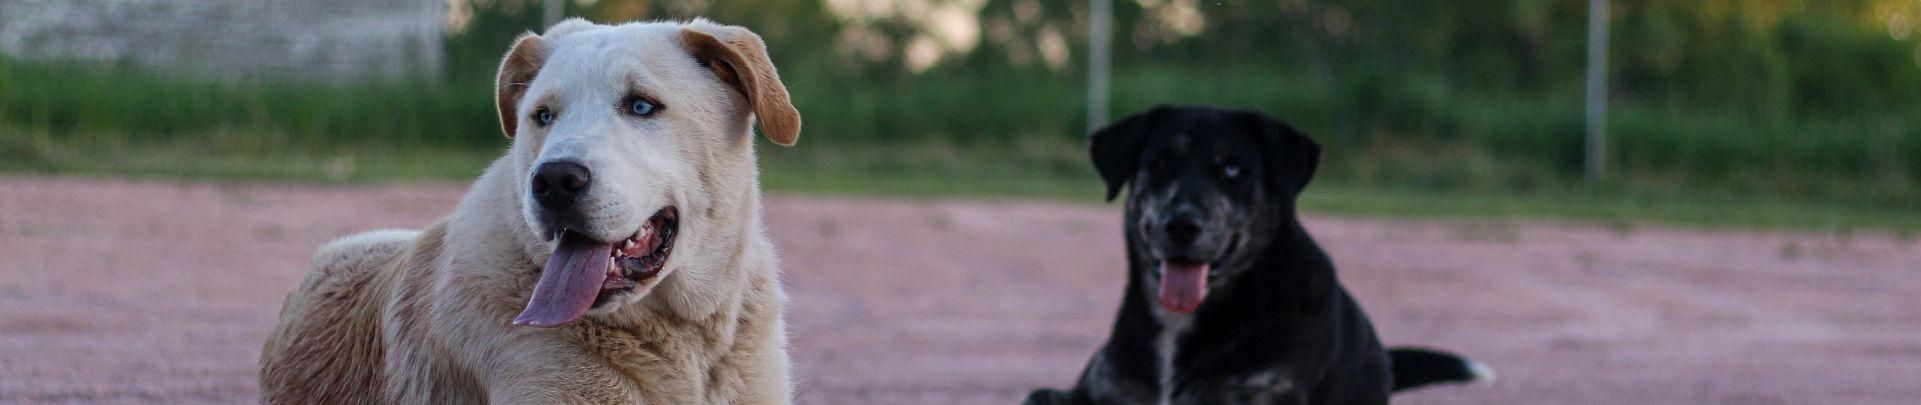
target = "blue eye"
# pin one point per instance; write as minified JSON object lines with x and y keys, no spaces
{"x":641,"y":107}
{"x":543,"y":116}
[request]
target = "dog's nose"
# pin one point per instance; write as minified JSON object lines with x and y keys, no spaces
{"x":1182,"y":229}
{"x":558,"y":184}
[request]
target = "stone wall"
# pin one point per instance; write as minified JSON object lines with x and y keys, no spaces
{"x":336,"y":40}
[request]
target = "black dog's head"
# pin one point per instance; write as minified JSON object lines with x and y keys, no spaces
{"x":1211,"y":189}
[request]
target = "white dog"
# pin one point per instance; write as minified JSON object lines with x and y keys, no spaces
{"x":614,"y":255}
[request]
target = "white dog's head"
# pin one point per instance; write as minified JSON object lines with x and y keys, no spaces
{"x":630,"y":140}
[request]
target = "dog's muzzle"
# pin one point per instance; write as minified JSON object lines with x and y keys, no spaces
{"x":1186,"y":253}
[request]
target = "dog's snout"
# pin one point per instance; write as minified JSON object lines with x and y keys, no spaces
{"x":558,"y":184}
{"x":1182,"y":228}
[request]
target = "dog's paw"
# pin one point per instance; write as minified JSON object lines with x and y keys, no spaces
{"x":1046,"y":396}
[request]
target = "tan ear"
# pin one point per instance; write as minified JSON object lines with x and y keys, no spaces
{"x":517,"y":70}
{"x":740,"y":59}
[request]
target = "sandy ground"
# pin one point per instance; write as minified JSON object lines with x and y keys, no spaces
{"x":153,"y":292}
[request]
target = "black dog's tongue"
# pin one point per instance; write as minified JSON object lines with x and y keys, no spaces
{"x":1183,"y":285}
{"x":569,"y":283}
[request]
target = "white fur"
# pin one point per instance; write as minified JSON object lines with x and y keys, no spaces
{"x":1482,"y":372}
{"x":1173,"y":325}
{"x":423,"y":317}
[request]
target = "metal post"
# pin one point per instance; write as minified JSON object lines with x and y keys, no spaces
{"x":551,"y":14}
{"x":1099,"y":22}
{"x":1597,"y":97}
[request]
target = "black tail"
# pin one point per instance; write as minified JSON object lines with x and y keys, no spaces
{"x":1414,"y":367}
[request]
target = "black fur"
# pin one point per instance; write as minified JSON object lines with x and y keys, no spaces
{"x":1275,"y":325}
{"x":1414,"y":367}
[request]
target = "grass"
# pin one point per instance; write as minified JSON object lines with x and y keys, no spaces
{"x":1596,"y":204}
{"x":1728,"y":212}
{"x":1045,"y":170}
{"x":219,"y":156}
{"x":1396,"y":144}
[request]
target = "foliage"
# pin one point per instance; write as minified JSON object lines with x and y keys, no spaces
{"x":1786,"y":99}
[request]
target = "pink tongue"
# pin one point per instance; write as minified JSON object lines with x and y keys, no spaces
{"x":1183,"y":285}
{"x":569,"y":283}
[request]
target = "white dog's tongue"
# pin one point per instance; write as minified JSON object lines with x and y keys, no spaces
{"x":569,"y":283}
{"x":1183,"y":285}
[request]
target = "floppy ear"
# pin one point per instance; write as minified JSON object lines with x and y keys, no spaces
{"x":1291,"y":157}
{"x":1116,"y":148}
{"x":517,"y":70}
{"x":739,"y":58}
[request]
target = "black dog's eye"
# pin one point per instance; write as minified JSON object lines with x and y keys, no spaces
{"x":543,"y":116}
{"x":1231,"y":170}
{"x":1160,"y":164}
{"x":640,"y":106}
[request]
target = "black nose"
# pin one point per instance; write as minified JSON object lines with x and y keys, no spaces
{"x":558,"y":184}
{"x":1182,"y":228}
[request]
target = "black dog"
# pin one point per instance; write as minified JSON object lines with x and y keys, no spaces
{"x":1228,"y":300}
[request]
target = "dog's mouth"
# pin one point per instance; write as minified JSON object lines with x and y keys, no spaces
{"x":1183,"y":284}
{"x":641,"y":256}
{"x":584,"y":273}
{"x":1184,"y":279}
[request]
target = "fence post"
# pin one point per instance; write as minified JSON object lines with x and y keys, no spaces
{"x":550,"y":14}
{"x":1100,"y":19}
{"x":1597,"y":97}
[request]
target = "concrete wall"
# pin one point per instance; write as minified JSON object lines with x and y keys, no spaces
{"x":337,"y":40}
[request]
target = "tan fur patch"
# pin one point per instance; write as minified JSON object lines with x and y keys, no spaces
{"x":739,"y":58}
{"x":517,"y":69}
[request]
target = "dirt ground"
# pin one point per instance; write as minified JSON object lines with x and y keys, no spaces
{"x":116,"y":291}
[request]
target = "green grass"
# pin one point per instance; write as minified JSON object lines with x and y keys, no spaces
{"x":1604,"y":205}
{"x":1396,"y":145}
{"x":1046,"y":170}
{"x":1493,"y":139}
{"x":231,"y":156}
{"x":98,"y":102}
{"x":1610,"y":209}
